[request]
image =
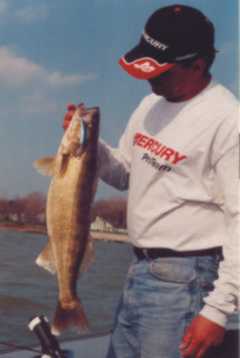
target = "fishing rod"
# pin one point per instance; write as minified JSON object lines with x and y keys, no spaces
{"x":48,"y":342}
{"x":49,"y":345}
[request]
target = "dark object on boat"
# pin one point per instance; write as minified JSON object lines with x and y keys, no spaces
{"x":228,"y":349}
{"x":49,"y":344}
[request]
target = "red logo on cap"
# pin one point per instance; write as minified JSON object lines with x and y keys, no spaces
{"x":177,"y":9}
{"x":144,"y":68}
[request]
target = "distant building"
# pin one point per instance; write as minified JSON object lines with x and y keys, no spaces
{"x":101,"y":225}
{"x":13,"y":217}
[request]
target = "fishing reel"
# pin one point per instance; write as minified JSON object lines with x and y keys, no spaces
{"x":49,"y":344}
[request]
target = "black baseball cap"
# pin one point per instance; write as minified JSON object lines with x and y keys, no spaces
{"x":171,"y":35}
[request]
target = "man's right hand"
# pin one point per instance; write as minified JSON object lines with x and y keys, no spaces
{"x":71,"y":108}
{"x":200,"y":336}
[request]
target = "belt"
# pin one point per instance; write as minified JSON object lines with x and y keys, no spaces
{"x":155,"y":253}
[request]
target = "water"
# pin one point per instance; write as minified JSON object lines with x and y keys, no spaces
{"x":27,"y":290}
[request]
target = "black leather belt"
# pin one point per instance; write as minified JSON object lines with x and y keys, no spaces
{"x":155,"y":253}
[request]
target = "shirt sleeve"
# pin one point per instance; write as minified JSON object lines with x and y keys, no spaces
{"x":224,"y":299}
{"x":114,"y":165}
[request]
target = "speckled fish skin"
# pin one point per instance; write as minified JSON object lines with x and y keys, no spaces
{"x":69,"y":202}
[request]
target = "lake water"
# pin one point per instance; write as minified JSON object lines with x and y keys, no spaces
{"x":27,"y":290}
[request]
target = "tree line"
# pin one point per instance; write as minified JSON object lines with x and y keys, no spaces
{"x":30,"y":209}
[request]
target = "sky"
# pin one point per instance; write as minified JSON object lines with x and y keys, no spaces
{"x":55,"y":52}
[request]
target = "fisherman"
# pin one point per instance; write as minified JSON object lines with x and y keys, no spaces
{"x":180,"y":219}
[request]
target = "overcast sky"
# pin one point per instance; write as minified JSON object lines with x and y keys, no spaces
{"x":53,"y":52}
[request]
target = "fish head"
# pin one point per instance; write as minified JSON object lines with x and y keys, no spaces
{"x":74,"y":135}
{"x":82,"y":132}
{"x":91,"y":122}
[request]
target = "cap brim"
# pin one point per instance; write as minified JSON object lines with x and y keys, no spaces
{"x":142,"y":65}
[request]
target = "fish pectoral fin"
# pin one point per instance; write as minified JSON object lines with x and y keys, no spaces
{"x":45,"y":166}
{"x":45,"y":259}
{"x":89,"y":256}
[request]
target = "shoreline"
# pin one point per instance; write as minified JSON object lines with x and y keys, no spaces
{"x":31,"y":229}
{"x":41,"y":230}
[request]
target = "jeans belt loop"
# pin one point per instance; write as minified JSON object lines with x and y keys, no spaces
{"x":145,"y":252}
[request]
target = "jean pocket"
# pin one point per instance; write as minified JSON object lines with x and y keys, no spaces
{"x":174,"y":270}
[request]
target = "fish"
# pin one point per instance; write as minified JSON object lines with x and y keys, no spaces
{"x":69,"y":250}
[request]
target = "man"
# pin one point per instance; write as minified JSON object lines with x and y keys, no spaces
{"x":179,"y":158}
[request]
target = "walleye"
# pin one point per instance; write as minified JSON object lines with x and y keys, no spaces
{"x":69,"y":199}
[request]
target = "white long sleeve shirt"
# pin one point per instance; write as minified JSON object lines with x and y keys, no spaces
{"x":180,"y":162}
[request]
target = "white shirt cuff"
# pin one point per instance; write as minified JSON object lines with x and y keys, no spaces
{"x":213,"y":314}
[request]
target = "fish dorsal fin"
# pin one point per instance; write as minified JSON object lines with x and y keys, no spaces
{"x":45,"y":166}
{"x":52,"y":166}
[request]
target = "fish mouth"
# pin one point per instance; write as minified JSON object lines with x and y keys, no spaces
{"x":90,"y":115}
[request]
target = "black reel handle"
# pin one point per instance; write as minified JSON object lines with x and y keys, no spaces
{"x":49,"y":344}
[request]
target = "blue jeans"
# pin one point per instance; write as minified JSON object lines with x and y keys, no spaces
{"x":159,"y":300}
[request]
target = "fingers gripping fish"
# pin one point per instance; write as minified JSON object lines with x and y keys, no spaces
{"x":70,"y":195}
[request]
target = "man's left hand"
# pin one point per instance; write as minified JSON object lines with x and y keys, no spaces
{"x":200,"y":336}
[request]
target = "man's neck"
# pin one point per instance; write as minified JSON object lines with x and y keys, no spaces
{"x":193,"y":91}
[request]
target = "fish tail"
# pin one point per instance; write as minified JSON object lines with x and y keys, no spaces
{"x":71,"y":316}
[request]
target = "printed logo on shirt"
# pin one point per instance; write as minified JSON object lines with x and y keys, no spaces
{"x":155,"y":164}
{"x":153,"y":146}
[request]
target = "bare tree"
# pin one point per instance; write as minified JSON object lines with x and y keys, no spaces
{"x":34,"y":206}
{"x":4,"y":209}
{"x":16,"y":210}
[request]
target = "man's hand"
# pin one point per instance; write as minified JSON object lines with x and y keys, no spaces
{"x":71,"y":108}
{"x":200,"y":336}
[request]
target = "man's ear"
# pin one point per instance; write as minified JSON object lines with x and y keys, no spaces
{"x":199,"y":65}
